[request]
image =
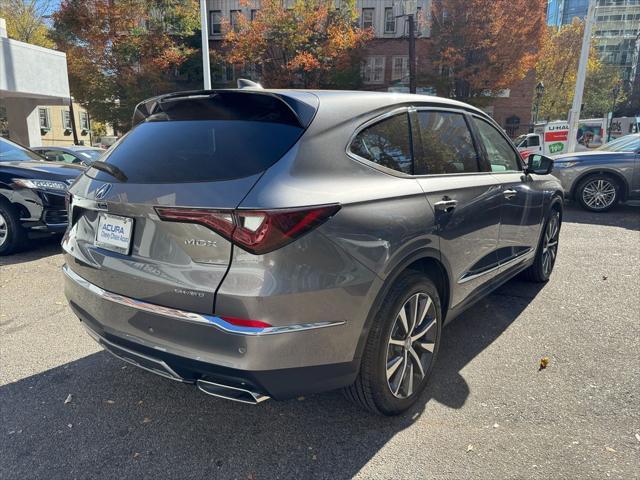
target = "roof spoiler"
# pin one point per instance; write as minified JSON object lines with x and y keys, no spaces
{"x":302,"y":112}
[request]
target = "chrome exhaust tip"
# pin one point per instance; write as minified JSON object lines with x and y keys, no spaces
{"x":234,"y":394}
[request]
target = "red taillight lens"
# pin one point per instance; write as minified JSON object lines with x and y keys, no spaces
{"x":241,"y":322}
{"x":257,"y":231}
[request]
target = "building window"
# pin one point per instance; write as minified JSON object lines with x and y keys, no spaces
{"x":373,"y":70}
{"x":66,"y":120}
{"x":254,"y":14}
{"x":44,"y":118}
{"x":513,"y":126}
{"x":233,"y":16}
{"x":223,"y":73}
{"x":216,"y":22}
{"x":400,"y":70}
{"x":389,"y":21}
{"x":84,"y":121}
{"x":367,"y":17}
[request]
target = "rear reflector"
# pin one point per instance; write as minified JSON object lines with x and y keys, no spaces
{"x":241,"y":322}
{"x":256,"y":231}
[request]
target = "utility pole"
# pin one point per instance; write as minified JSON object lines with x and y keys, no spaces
{"x":574,"y":113}
{"x":412,"y":53}
{"x":72,"y":119}
{"x":206,"y":70}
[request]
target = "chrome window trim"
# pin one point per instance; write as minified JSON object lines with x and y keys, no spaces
{"x":182,"y":315}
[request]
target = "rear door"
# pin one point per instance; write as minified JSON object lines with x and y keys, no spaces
{"x":522,"y":195}
{"x":466,"y":200}
{"x":204,"y":153}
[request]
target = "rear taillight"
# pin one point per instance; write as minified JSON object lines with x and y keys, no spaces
{"x":257,"y":231}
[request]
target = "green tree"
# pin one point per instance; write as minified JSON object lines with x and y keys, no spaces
{"x":25,"y":21}
{"x":312,"y":44}
{"x":120,"y":52}
{"x":557,"y":69}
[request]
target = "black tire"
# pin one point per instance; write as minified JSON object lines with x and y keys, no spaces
{"x":586,"y":190}
{"x":540,"y":271}
{"x":372,"y":390}
{"x":12,"y":235}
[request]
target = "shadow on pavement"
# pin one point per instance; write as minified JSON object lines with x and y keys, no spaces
{"x":126,"y":423}
{"x":623,"y":216}
{"x":35,"y":250}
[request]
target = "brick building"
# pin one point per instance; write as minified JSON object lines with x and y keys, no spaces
{"x":385,"y":60}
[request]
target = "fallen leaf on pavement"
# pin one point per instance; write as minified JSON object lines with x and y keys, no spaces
{"x":638,"y":436}
{"x":495,"y":425}
{"x":469,"y":448}
{"x":136,"y":455}
{"x":69,"y":425}
{"x":146,"y":420}
{"x":609,"y":449}
{"x":68,"y":399}
{"x":110,"y":402}
{"x":544,"y":362}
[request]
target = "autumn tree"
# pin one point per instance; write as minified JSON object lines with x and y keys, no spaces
{"x":26,"y":21}
{"x":120,"y":52}
{"x":311,"y":44}
{"x":480,"y":47}
{"x":557,"y":69}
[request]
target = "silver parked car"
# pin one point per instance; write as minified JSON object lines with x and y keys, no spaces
{"x":271,"y":243}
{"x":600,"y":178}
{"x":75,"y":154}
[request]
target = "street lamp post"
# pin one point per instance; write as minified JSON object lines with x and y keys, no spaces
{"x":409,"y":9}
{"x":614,"y":93}
{"x":539,"y":94}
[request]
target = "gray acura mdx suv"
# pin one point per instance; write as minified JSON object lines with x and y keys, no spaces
{"x":271,"y":243}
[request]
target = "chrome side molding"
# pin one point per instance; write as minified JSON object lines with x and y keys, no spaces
{"x":227,"y":392}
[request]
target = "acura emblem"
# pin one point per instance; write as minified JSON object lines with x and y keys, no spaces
{"x":102,"y":191}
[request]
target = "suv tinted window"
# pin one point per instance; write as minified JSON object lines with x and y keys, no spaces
{"x":386,"y":143}
{"x":447,"y":145}
{"x":501,"y":156}
{"x":206,"y":138}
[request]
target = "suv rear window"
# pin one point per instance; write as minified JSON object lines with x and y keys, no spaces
{"x":205,"y":139}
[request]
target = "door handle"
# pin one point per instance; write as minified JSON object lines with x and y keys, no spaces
{"x":509,"y":194}
{"x":445,"y":205}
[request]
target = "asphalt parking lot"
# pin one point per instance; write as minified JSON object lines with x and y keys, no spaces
{"x":488,"y":412}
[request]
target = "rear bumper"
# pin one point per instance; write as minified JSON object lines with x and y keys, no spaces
{"x":281,"y":363}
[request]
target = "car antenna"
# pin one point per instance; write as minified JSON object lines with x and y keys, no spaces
{"x":243,"y":83}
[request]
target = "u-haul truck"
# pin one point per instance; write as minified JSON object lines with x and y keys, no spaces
{"x":552,"y":138}
{"x":547,"y":139}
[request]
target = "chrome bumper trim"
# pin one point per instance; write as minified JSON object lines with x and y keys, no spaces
{"x":200,"y":318}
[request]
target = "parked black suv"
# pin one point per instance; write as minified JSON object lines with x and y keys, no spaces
{"x":32,"y":195}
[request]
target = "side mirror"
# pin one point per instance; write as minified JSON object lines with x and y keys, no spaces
{"x":539,"y":164}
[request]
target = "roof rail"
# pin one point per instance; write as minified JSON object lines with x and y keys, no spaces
{"x":245,"y":83}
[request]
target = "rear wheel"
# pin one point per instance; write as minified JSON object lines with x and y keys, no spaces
{"x":598,"y":193}
{"x":12,"y":235}
{"x":401,"y":348}
{"x":547,"y":251}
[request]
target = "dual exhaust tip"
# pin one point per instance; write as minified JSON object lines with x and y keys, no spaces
{"x":235,"y":394}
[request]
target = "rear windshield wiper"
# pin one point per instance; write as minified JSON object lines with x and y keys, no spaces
{"x":110,"y":169}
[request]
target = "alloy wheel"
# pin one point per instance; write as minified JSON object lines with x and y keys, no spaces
{"x":550,"y":243}
{"x":599,"y":194}
{"x":411,"y":345}
{"x":4,"y":230}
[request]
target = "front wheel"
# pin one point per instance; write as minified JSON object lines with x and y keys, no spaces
{"x":547,"y":251}
{"x":598,"y":193}
{"x":401,"y":348}
{"x":12,"y":235}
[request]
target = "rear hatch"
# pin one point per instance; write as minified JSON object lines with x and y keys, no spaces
{"x":197,"y":151}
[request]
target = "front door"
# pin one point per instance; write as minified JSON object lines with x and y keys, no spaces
{"x":522,"y":197}
{"x":466,"y":201}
